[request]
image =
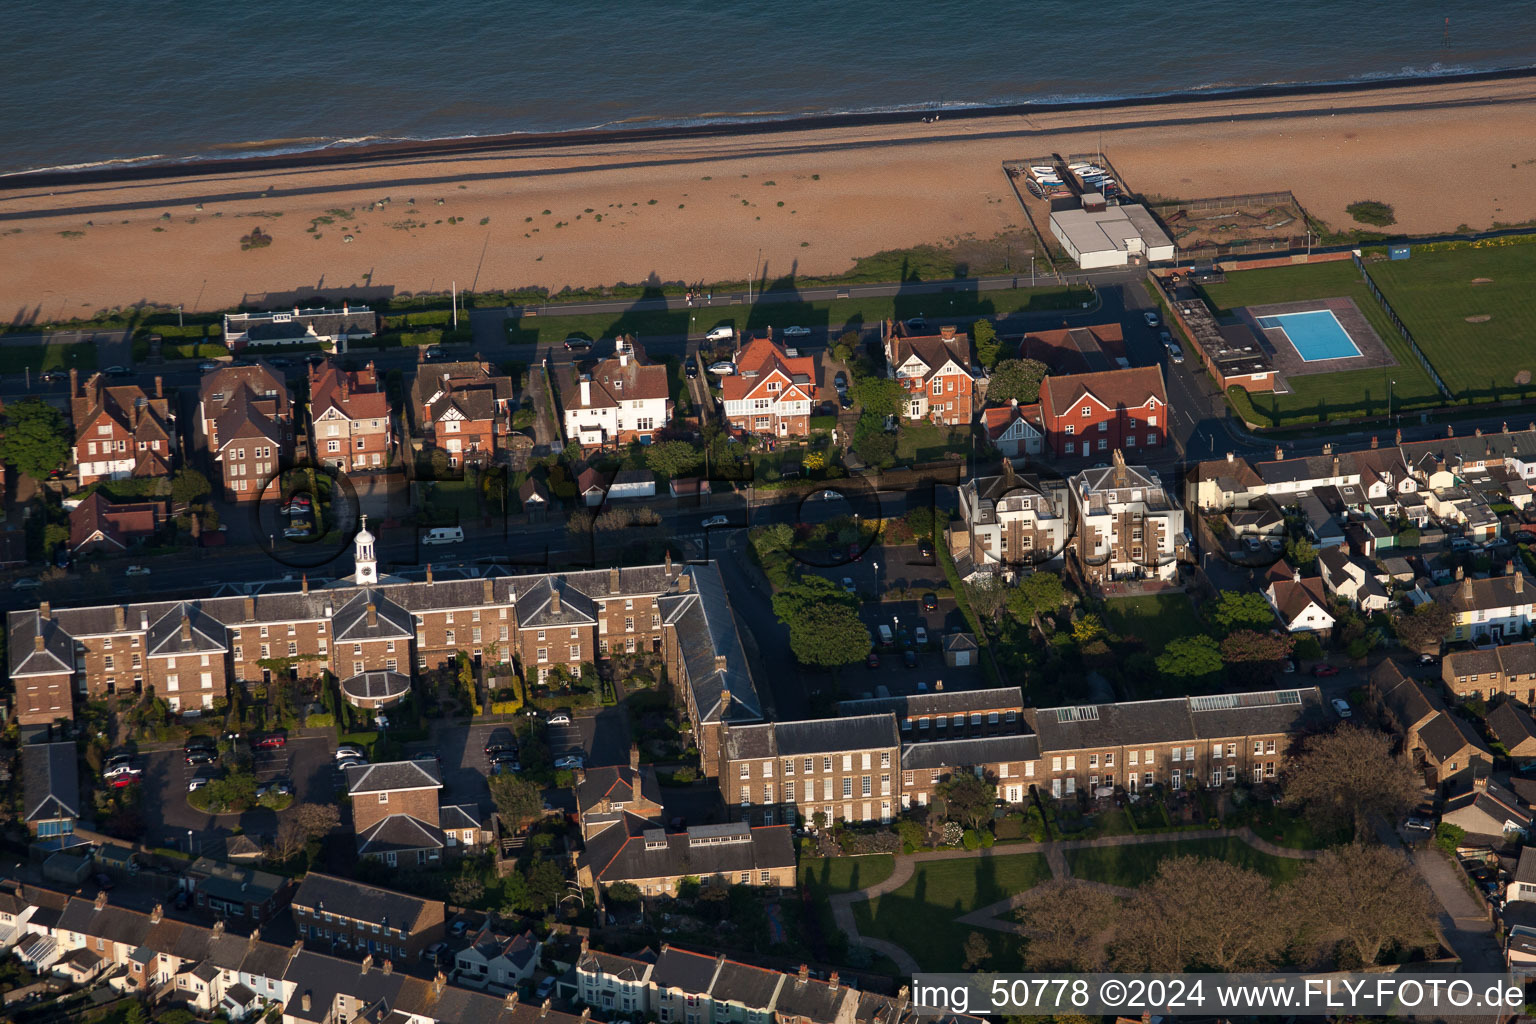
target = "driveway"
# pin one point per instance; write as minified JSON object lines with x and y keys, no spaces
{"x":1464,"y":925}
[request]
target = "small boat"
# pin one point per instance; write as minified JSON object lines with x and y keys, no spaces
{"x":1034,"y":189}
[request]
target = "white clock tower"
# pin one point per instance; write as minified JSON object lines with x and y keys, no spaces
{"x":367,"y":567}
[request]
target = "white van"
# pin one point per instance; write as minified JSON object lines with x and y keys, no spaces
{"x":444,"y":535}
{"x":724,"y":333}
{"x":885,"y":635}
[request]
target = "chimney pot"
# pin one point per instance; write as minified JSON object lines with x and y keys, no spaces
{"x":306,"y":1001}
{"x":1279,"y":453}
{"x":805,"y":972}
{"x":1231,"y":457}
{"x":488,"y":590}
{"x":45,"y":609}
{"x":367,"y":963}
{"x":304,"y":583}
{"x":634,"y":756}
{"x":389,"y":966}
{"x":1374,"y":441}
{"x":832,"y":980}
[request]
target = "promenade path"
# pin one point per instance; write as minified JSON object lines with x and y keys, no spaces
{"x":998,"y":916}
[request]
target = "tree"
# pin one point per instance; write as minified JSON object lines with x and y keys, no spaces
{"x":878,"y":396}
{"x":467,"y":888}
{"x":977,"y":951}
{"x":1086,"y":628}
{"x":1300,"y":552}
{"x":922,"y":521}
{"x":987,"y":595}
{"x":1426,"y":628}
{"x":1068,"y":925}
{"x":824,"y":627}
{"x":1344,"y":778}
{"x":1241,"y":610}
{"x":1183,"y":919}
{"x":967,"y":799}
{"x":625,"y":892}
{"x":317,"y":819}
{"x":1039,"y":593}
{"x":672,"y":458}
{"x":1016,"y":379}
{"x":517,"y":800}
{"x":35,"y":439}
{"x":875,"y":447}
{"x":546,"y":884}
{"x":1365,"y":898}
{"x":1190,"y":657}
{"x":984,"y":335}
{"x":1250,"y":646}
{"x":188,"y":485}
{"x":135,"y":1013}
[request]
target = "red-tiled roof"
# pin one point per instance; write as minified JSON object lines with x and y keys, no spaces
{"x":999,"y":419}
{"x":355,"y":392}
{"x":757,"y":362}
{"x":1127,"y":388}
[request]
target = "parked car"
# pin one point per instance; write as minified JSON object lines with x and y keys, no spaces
{"x":118,"y":371}
{"x":716,"y":521}
{"x":131,"y":777}
{"x":199,"y":743}
{"x":848,"y":587}
{"x":351,"y":762}
{"x":1428,"y":659}
{"x":1175,"y":353}
{"x":796,"y":332}
{"x":54,"y":377}
{"x":559,"y":718}
{"x":845,"y":402}
{"x":183,"y":900}
{"x":1152,"y":319}
{"x":103,"y":882}
{"x":724,"y":368}
{"x":909,"y":658}
{"x":1417,"y":825}
{"x":434,"y":352}
{"x":25,"y":583}
{"x":1324,"y":670}
{"x":202,"y":756}
{"x":840,"y":382}
{"x":296,"y":532}
{"x":136,"y":570}
{"x":198,"y":781}
{"x":281,"y":362}
{"x":274,"y":788}
{"x":300,"y":502}
{"x":506,"y":765}
{"x":570,"y":762}
{"x":916,"y":323}
{"x":872,"y":660}
{"x":724,"y":332}
{"x":930,"y":602}
{"x":208,"y":365}
{"x":433,"y":953}
{"x":691,"y":369}
{"x":578,"y":344}
{"x":347,"y":750}
{"x":271,"y":741}
{"x":925,"y":549}
{"x":920,"y":635}
{"x":112,"y":771}
{"x":1342,"y":707}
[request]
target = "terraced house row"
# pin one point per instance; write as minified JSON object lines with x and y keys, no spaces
{"x":886,"y":755}
{"x":373,"y":633}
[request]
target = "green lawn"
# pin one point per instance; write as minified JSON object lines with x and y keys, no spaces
{"x":1320,"y":397}
{"x":454,"y":496}
{"x":837,"y":315}
{"x":826,"y":876}
{"x":928,"y":442}
{"x":1135,"y":865}
{"x":41,"y":358}
{"x":1154,"y":618}
{"x":1434,"y":295}
{"x":920,"y":916}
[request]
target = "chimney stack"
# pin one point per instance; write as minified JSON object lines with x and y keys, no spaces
{"x":157,"y":914}
{"x":1374,"y":442}
{"x":159,"y":386}
{"x":669,"y":563}
{"x":389,"y":966}
{"x":1480,"y":783}
{"x":1460,"y":572}
{"x":1399,"y":436}
{"x":74,"y":383}
{"x":101,"y":901}
{"x":805,"y":972}
{"x":438,"y":983}
{"x":1335,"y":465}
{"x":511,"y":1003}
{"x":305,"y":1001}
{"x":218,"y":927}
{"x":613,"y":579}
{"x":1327,"y":447}
{"x":120,"y":618}
{"x":634,"y":757}
{"x":636,"y":792}
{"x":367,"y":963}
{"x":304,"y":583}
{"x":1450,"y":430}
{"x":488,"y":590}
{"x":946,"y":332}
{"x":37,"y":642}
{"x":1279,"y":454}
{"x":45,"y":609}
{"x":186,"y":629}
{"x":429,"y":572}
{"x":373,"y":615}
{"x":832,"y":980}
{"x":554,"y":599}
{"x":684,"y":583}
{"x":1231,"y":456}
{"x":1477,"y":432}
{"x":719,"y":663}
{"x":143,"y":620}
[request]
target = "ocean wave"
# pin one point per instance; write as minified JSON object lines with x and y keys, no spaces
{"x":92,"y":165}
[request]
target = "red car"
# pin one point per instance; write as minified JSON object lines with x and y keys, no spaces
{"x":124,"y":781}
{"x":1324,"y":670}
{"x":271,"y":742}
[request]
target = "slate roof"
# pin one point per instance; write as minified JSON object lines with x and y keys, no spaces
{"x":235,"y":882}
{"x":968,"y":753}
{"x":616,"y":783}
{"x":811,"y":999}
{"x":391,"y":622}
{"x":706,"y":630}
{"x":1446,"y":735}
{"x":684,"y":970}
{"x":56,"y":653}
{"x":355,"y":321}
{"x":1377,"y":463}
{"x":204,"y":634}
{"x":50,"y":778}
{"x":1512,"y":659}
{"x":623,"y":968}
{"x":358,"y":901}
{"x":745,"y":985}
{"x":323,"y":978}
{"x":1259,"y":713}
{"x":827,"y":735}
{"x":379,"y":684}
{"x":1490,"y":807}
{"x":1409,"y":702}
{"x":939,"y":702}
{"x":389,"y":776}
{"x":1471,"y":594}
{"x":620,"y":853}
{"x":468,"y":387}
{"x":399,"y":833}
{"x":1235,"y":476}
{"x":1525,"y":871}
{"x":1511,"y":725}
{"x":535,"y":605}
{"x":458,"y":816}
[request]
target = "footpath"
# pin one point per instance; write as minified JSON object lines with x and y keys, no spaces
{"x":992,"y":916}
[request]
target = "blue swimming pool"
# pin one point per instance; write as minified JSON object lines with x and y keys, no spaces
{"x":1315,"y":334}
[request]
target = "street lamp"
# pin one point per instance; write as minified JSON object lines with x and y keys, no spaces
{"x":1390,"y":384}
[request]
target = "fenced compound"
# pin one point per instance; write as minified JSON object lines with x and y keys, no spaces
{"x":1402,"y":328}
{"x":1221,"y":226}
{"x":1046,"y":248}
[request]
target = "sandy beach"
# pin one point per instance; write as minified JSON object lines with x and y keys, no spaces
{"x":1444,"y":155}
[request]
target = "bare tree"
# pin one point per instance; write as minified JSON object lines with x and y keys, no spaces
{"x":1069,"y":926}
{"x":1199,"y":912}
{"x":317,"y":819}
{"x":1364,"y":899}
{"x":1344,"y":778}
{"x":977,"y":951}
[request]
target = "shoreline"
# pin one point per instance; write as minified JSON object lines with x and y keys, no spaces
{"x":343,"y":153}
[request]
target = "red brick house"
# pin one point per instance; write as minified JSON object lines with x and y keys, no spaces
{"x":771,"y":393}
{"x":121,"y":430}
{"x":97,"y":524}
{"x":246,"y":421}
{"x":463,"y":409}
{"x":936,"y":372}
{"x":1014,"y":429}
{"x":624,"y":399}
{"x":1092,"y":414}
{"x":350,"y":415}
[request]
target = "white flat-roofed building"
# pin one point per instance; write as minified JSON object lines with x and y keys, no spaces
{"x":1111,"y":236}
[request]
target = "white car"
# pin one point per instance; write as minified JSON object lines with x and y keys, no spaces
{"x":1417,"y":825}
{"x":1175,"y":353}
{"x":136,"y":570}
{"x":828,"y":495}
{"x":119,"y":769}
{"x":796,"y":332}
{"x":351,"y":762}
{"x":570,"y":761}
{"x":198,"y":782}
{"x":722,"y":368}
{"x":25,"y":583}
{"x":920,"y":635}
{"x":348,"y":751}
{"x":559,"y":718}
{"x":1342,"y":707}
{"x":721,"y":333}
{"x":716,"y":521}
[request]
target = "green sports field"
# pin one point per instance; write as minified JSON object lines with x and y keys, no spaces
{"x":1471,"y":311}
{"x":1319,"y":398}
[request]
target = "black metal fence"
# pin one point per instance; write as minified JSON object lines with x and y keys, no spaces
{"x":1402,"y":328}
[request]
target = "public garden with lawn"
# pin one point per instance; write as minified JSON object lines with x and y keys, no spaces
{"x":1470,"y":310}
{"x":922,"y":916}
{"x":1135,"y":865}
{"x":1320,"y":397}
{"x":1154,"y":619}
